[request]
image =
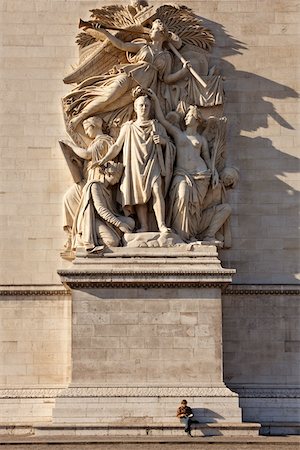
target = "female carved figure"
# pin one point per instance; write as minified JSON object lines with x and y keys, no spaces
{"x":192,"y":174}
{"x":88,"y":171}
{"x":150,"y":63}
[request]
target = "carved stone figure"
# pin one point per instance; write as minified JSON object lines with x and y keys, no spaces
{"x":97,"y":221}
{"x":192,"y":173}
{"x":148,"y":157}
{"x":83,"y":166}
{"x":174,"y":177}
{"x":214,"y":225}
{"x":149,"y":63}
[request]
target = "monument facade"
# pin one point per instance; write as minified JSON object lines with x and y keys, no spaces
{"x":170,"y":167}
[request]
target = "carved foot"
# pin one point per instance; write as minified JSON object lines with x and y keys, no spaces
{"x":98,"y":249}
{"x":211,"y":240}
{"x":164,"y":229}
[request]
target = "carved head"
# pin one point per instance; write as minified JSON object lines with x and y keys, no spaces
{"x":159,"y":31}
{"x":113,"y":172}
{"x":92,"y":126}
{"x":229,"y":177}
{"x":193,"y":114}
{"x":142,"y":107}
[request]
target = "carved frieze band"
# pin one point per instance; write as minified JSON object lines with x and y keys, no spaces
{"x":262,"y":290}
{"x":162,"y":278}
{"x":75,"y":392}
{"x":35,"y":293}
{"x":230,"y":290}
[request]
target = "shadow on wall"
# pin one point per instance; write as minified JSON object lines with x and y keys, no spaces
{"x":206,"y":416}
{"x":264,"y":204}
{"x":260,"y":335}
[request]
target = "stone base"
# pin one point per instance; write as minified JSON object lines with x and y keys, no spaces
{"x":144,"y":406}
{"x":146,"y":333}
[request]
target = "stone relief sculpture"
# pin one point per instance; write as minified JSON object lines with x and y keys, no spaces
{"x":144,"y":77}
{"x":148,"y":158}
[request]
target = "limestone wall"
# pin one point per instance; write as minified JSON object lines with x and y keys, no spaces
{"x":257,"y":49}
{"x":34,"y":338}
{"x":261,"y":338}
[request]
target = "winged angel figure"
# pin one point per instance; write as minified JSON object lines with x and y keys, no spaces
{"x":139,"y":51}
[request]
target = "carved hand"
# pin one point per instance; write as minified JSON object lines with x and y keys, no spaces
{"x":187,"y":65}
{"x":215,"y":179}
{"x":159,"y":139}
{"x":152,"y":95}
{"x":125,"y":228}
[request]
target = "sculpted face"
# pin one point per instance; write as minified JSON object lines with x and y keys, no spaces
{"x":113,"y":178}
{"x":158,"y":31}
{"x":92,"y":127}
{"x":142,"y":107}
{"x":190,"y":118}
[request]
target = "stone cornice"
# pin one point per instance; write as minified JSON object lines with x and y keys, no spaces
{"x":142,"y":269}
{"x":146,"y":278}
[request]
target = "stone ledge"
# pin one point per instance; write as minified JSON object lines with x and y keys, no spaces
{"x":187,"y":269}
{"x":96,"y":431}
{"x":117,"y":391}
{"x":149,"y":391}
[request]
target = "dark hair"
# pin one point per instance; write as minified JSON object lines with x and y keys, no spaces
{"x":184,"y":401}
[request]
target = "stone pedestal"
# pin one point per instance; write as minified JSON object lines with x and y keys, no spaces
{"x":146,"y":332}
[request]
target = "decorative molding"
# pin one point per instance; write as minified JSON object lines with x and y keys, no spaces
{"x":115,"y":391}
{"x":267,"y":393}
{"x":151,"y":391}
{"x":33,"y":290}
{"x":145,"y":284}
{"x":163,"y":274}
{"x":260,"y":289}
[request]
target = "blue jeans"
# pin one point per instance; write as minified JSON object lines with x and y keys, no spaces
{"x":187,"y":424}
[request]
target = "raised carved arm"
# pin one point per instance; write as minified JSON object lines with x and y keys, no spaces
{"x":121,"y":45}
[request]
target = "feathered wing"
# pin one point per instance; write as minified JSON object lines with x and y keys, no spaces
{"x":182,"y":21}
{"x":114,"y":15}
{"x":97,"y":55}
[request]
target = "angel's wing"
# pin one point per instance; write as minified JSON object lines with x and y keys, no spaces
{"x":182,"y":21}
{"x":74,"y":162}
{"x":98,"y":56}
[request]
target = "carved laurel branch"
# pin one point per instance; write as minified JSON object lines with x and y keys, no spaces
{"x":137,"y":391}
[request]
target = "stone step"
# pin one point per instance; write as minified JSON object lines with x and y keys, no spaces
{"x":158,"y":430}
{"x":151,"y":443}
